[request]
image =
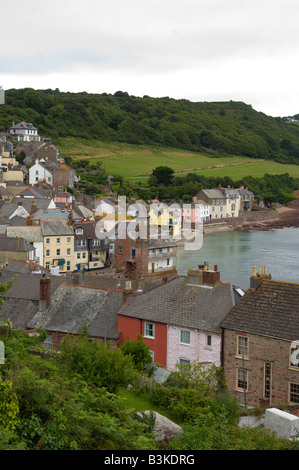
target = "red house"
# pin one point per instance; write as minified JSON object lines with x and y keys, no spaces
{"x":153,"y":334}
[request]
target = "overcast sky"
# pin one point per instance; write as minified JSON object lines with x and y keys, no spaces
{"x":200,"y":50}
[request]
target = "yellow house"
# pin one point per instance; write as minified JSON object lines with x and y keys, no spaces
{"x":165,"y":217}
{"x":58,"y":239}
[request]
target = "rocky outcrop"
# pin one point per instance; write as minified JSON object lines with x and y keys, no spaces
{"x":164,"y":429}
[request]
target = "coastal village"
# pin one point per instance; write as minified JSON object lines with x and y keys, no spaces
{"x":71,"y":262}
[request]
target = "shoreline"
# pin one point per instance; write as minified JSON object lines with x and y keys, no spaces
{"x":285,"y":217}
{"x":289,"y":218}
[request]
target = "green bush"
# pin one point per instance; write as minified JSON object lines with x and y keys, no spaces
{"x":99,"y":363}
{"x":138,"y":351}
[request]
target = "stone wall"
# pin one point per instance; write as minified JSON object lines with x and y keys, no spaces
{"x":228,"y":223}
{"x":262,"y":350}
{"x":284,"y":424}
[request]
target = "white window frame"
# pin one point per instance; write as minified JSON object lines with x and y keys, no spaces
{"x":182,"y":333}
{"x":149,"y":327}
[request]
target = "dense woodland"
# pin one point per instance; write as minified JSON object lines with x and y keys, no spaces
{"x":227,"y":127}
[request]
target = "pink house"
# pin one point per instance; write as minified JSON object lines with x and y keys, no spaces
{"x":190,"y":309}
{"x":191,"y":214}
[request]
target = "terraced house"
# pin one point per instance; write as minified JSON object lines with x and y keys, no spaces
{"x":261,"y":344}
{"x":58,"y":238}
{"x":179,"y":320}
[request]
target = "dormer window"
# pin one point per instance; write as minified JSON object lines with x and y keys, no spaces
{"x":79,"y":231}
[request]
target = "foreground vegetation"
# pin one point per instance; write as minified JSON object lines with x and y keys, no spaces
{"x":77,"y":400}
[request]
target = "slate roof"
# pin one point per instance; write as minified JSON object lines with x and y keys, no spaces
{"x":56,"y":227}
{"x":31,"y":233}
{"x":213,"y":193}
{"x":22,"y":298}
{"x":61,"y":214}
{"x":24,"y":125}
{"x":34,"y":192}
{"x":179,"y":304}
{"x":15,"y":244}
{"x":272,"y":309}
{"x":89,"y":230}
{"x":41,"y":203}
{"x":71,"y":306}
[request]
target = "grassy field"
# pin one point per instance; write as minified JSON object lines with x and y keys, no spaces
{"x":137,"y":162}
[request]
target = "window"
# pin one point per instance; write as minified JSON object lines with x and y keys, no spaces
{"x":47,"y":241}
{"x":78,"y":255}
{"x":185,"y":337}
{"x":185,"y":365}
{"x":267,"y":379}
{"x":47,"y":252}
{"x":294,"y":393}
{"x":83,"y":255}
{"x":48,"y":342}
{"x":242,"y":347}
{"x":209,"y":341}
{"x":68,"y":252}
{"x":120,"y":250}
{"x":242,"y":379}
{"x":149,"y":330}
{"x":47,"y":265}
{"x":68,"y":239}
{"x":58,"y":240}
{"x":68,"y":265}
{"x":58,"y":252}
{"x":168,"y":261}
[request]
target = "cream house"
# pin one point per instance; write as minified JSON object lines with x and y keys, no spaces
{"x":58,"y":238}
{"x":233,"y":201}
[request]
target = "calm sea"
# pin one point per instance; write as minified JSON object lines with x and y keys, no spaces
{"x":236,"y":253}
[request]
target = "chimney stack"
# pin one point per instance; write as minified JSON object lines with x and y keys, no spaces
{"x":204,"y":275}
{"x":127,"y":292}
{"x":44,"y":293}
{"x":258,"y":276}
{"x":33,"y":208}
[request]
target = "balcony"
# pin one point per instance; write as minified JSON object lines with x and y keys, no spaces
{"x":166,"y":254}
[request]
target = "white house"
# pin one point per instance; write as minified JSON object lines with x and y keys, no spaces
{"x":204,"y":210}
{"x":162,"y":255}
{"x":39,"y":172}
{"x":24,"y":132}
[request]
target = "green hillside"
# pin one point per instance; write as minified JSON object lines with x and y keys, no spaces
{"x":231,"y":128}
{"x":136,"y":162}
